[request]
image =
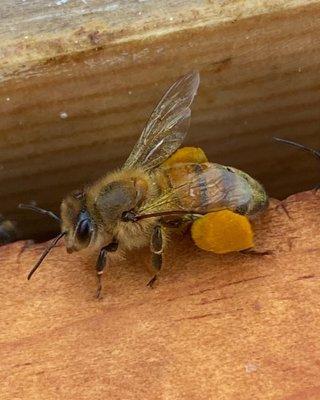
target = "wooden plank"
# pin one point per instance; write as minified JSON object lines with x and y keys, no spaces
{"x":215,"y":327}
{"x":78,"y":81}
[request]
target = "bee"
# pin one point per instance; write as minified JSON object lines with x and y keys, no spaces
{"x":139,"y":203}
{"x":8,"y":231}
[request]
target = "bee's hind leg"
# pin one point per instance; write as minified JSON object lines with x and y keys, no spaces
{"x":156,"y":247}
{"x":282,"y":205}
{"x":152,"y":281}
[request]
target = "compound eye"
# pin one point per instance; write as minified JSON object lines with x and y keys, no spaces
{"x":84,"y":230}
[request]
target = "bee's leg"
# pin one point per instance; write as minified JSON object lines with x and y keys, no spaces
{"x":101,"y":263}
{"x":152,"y":281}
{"x":182,"y":221}
{"x":284,"y":208}
{"x":172,"y":223}
{"x":24,"y":247}
{"x":156,"y":247}
{"x":179,"y":225}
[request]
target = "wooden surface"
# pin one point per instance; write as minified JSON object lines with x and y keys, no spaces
{"x":227,"y":327}
{"x":78,"y":80}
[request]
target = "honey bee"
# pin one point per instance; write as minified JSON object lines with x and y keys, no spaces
{"x":8,"y":232}
{"x":139,"y":203}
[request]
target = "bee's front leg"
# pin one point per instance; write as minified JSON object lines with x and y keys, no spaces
{"x":156,"y":247}
{"x":101,"y":263}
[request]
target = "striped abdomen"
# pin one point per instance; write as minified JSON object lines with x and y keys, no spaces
{"x":210,"y":187}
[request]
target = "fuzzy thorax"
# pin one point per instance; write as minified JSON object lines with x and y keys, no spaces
{"x":103,"y":203}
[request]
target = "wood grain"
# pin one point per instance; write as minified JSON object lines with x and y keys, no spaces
{"x":215,"y":327}
{"x":78,"y":81}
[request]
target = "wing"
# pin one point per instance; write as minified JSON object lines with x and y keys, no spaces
{"x":201,"y":188}
{"x":167,"y":126}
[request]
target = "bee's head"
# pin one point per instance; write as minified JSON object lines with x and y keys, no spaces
{"x":76,"y":222}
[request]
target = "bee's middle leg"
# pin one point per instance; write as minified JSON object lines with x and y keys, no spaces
{"x":156,"y":247}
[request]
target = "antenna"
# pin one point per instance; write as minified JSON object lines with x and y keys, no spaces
{"x":316,"y":153}
{"x":45,"y":253}
{"x":39,"y":211}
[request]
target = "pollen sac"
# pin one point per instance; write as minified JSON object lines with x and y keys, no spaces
{"x":222,"y":232}
{"x":186,"y":155}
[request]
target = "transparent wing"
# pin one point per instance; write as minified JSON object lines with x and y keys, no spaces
{"x":201,"y":188}
{"x":167,"y":126}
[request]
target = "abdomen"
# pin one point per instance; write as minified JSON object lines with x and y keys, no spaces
{"x":209,"y":187}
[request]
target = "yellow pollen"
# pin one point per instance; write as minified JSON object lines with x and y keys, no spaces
{"x":222,"y":232}
{"x":186,"y":155}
